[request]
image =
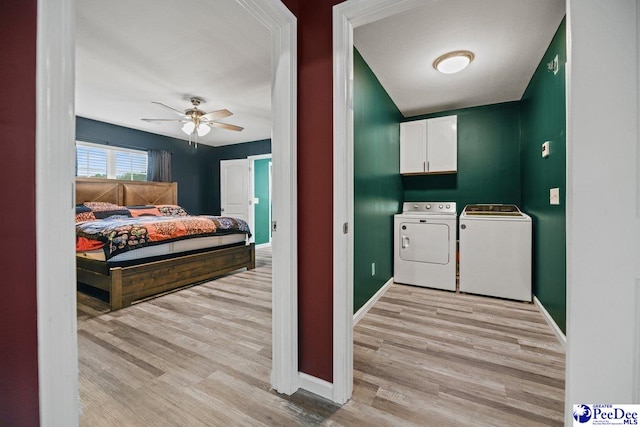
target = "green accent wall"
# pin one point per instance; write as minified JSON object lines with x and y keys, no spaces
{"x":262,"y":208}
{"x":377,"y":184}
{"x":544,"y":119}
{"x":488,"y":159}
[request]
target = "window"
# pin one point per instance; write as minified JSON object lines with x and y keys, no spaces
{"x":104,"y":161}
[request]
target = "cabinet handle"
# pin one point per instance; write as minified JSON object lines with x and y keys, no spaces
{"x":424,"y":167}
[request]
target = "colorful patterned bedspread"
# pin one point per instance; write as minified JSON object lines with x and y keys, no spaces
{"x":121,"y":232}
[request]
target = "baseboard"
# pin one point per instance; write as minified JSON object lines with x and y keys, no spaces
{"x":315,"y":385}
{"x":365,"y":308}
{"x":556,"y":329}
{"x":263,"y":245}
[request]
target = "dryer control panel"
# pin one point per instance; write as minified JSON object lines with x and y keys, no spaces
{"x":440,"y":208}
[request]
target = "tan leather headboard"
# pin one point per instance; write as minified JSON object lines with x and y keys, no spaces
{"x":98,"y":190}
{"x":126,"y":193}
{"x":150,"y":193}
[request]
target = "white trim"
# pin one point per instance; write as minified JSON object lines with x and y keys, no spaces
{"x":55,"y":159}
{"x":347,"y":16}
{"x":556,"y":329}
{"x":263,"y":245}
{"x":111,"y":147}
{"x":372,"y":301}
{"x":283,"y":25}
{"x":315,"y":385}
{"x":55,"y":129}
{"x":342,"y":205}
{"x":600,"y":299}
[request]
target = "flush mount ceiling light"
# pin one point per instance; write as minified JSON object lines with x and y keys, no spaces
{"x":453,"y":62}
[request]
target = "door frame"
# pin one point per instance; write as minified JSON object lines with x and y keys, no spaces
{"x":347,"y":16}
{"x":252,"y":190}
{"x":583,"y":291}
{"x":55,"y":189}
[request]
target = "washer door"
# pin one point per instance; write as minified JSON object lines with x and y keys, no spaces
{"x":424,"y":242}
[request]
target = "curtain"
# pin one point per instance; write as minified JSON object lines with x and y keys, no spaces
{"x":159,"y":166}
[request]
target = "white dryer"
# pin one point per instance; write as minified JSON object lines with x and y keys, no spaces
{"x":495,"y":251}
{"x":425,"y":245}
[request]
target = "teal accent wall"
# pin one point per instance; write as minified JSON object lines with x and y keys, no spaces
{"x":488,"y":159}
{"x":262,"y":208}
{"x":544,"y":119}
{"x":189,"y":166}
{"x":377,"y":184}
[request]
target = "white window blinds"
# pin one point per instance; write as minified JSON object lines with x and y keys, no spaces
{"x":104,"y":161}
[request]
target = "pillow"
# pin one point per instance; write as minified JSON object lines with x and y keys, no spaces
{"x":90,"y":211}
{"x":171,"y":210}
{"x":137,"y":211}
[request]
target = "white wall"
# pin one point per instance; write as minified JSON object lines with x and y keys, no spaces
{"x":603,"y":203}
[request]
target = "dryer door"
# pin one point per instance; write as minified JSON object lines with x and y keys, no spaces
{"x":424,"y":242}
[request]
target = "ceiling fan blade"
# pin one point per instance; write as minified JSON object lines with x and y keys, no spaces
{"x":166,"y":120}
{"x":180,"y":113}
{"x":218,"y":114}
{"x":225,"y":126}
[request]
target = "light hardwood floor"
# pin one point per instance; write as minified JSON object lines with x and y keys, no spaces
{"x":202,"y":357}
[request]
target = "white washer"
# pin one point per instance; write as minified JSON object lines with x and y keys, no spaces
{"x":425,"y":245}
{"x":495,"y":251}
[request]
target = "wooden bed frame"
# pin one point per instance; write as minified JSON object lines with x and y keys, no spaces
{"x":126,"y":285}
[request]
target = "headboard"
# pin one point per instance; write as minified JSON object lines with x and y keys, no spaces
{"x":126,"y":193}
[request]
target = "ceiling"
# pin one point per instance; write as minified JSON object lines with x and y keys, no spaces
{"x":508,"y":38}
{"x":131,"y":53}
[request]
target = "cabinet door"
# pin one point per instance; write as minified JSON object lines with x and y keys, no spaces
{"x":442,"y":144}
{"x":413,"y":145}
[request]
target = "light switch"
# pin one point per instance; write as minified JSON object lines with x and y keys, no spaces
{"x":545,"y":149}
{"x":554,"y":196}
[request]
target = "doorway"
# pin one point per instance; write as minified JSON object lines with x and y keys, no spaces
{"x":347,"y":16}
{"x":57,"y":353}
{"x":260,"y":197}
{"x":246,"y":193}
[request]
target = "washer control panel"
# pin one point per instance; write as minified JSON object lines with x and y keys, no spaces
{"x":440,"y":208}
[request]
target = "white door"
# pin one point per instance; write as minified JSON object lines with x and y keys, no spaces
{"x":234,"y":188}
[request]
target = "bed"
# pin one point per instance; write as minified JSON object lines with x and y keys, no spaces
{"x":128,"y":276}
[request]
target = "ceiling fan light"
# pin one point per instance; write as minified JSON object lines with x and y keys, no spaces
{"x":188,"y":128}
{"x":203,"y":129}
{"x":453,"y":62}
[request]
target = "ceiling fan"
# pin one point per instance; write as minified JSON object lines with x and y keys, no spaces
{"x":197,"y":122}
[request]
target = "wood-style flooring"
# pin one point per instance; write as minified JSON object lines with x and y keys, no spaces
{"x":202,"y":357}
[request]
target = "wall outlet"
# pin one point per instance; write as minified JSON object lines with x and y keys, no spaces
{"x":545,"y":148}
{"x":373,"y":268}
{"x":554,"y":196}
{"x":553,"y":65}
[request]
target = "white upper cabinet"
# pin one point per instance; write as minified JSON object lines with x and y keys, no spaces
{"x":429,"y":146}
